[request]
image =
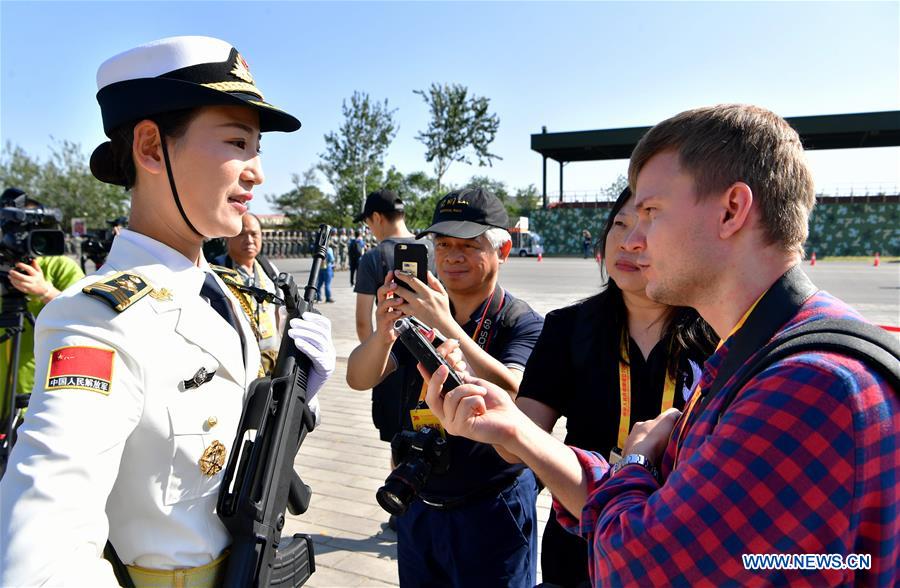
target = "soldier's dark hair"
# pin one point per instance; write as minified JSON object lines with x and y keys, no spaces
{"x":172,"y":124}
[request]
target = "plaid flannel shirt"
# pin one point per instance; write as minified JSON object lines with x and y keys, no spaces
{"x":804,"y":461}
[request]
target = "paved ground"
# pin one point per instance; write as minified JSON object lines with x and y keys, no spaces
{"x":345,"y":463}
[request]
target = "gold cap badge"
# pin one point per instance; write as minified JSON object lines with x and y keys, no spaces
{"x":242,"y":70}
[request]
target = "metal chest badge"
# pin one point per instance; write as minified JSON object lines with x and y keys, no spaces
{"x":200,"y":377}
{"x":213,"y":459}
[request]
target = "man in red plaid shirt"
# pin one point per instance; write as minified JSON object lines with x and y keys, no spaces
{"x":803,"y":460}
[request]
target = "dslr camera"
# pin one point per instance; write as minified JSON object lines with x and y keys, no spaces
{"x":419,"y":454}
{"x":27,"y":230}
{"x":423,"y":452}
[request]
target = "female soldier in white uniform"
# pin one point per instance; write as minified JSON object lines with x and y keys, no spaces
{"x":142,"y":368}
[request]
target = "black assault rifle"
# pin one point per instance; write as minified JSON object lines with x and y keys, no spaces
{"x":260,"y":481}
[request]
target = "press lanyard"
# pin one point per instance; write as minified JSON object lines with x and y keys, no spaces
{"x":668,"y":398}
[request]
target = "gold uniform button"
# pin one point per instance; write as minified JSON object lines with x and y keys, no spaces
{"x":212,"y":422}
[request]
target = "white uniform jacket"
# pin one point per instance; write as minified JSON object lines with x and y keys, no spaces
{"x":124,"y":463}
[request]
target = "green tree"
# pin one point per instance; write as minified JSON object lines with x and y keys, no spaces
{"x":527,"y":199}
{"x":496,"y":187}
{"x":355,"y":153}
{"x":346,"y":200}
{"x":420,"y":194}
{"x":615,"y":188}
{"x":64,"y":182}
{"x":460,"y":129}
{"x":19,"y":170}
{"x":305,"y":205}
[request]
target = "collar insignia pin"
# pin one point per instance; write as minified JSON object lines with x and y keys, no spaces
{"x":161,"y":294}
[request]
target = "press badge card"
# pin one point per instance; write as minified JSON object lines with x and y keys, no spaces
{"x":423,"y":417}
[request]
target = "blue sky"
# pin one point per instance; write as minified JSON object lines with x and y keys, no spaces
{"x":570,"y":66}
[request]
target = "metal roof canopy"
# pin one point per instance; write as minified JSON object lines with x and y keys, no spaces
{"x":829,"y":131}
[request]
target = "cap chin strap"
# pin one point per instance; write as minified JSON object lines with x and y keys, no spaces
{"x":165,"y":151}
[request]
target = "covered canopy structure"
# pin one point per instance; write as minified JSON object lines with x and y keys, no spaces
{"x":830,"y":131}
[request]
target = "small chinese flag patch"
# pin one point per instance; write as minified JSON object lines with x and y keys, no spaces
{"x":85,"y":368}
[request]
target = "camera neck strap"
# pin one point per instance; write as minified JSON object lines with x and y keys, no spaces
{"x":488,"y":320}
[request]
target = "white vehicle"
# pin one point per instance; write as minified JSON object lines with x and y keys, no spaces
{"x":525,"y":243}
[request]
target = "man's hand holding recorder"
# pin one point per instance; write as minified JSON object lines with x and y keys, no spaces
{"x":430,"y":304}
{"x":433,"y":304}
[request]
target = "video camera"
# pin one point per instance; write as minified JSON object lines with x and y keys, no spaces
{"x":27,"y":230}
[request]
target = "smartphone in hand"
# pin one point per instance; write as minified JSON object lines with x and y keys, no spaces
{"x":413,"y":259}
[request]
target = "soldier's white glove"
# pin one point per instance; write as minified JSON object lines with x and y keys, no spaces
{"x":312,"y":336}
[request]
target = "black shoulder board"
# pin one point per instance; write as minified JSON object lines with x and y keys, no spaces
{"x":119,"y":290}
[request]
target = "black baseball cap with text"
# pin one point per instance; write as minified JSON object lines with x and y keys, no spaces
{"x":380,"y":201}
{"x":467,"y":213}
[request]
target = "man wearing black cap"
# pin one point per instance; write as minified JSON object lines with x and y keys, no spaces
{"x":384,"y":214}
{"x":474,"y":525}
{"x":142,"y":368}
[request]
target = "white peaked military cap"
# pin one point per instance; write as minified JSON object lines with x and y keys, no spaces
{"x":174,"y":74}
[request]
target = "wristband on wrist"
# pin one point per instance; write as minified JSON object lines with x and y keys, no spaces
{"x":637,"y":459}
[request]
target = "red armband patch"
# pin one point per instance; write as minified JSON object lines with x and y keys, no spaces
{"x":85,"y":368}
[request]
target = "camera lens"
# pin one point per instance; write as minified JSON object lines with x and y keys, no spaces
{"x":43,"y":242}
{"x":395,"y":496}
{"x":402,"y":486}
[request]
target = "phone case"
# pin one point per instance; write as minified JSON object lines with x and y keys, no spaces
{"x":412,"y":258}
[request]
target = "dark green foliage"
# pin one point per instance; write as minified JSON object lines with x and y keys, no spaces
{"x":419,"y":194}
{"x":460,"y":128}
{"x":306,"y":205}
{"x":354,"y":155}
{"x":64,"y":182}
